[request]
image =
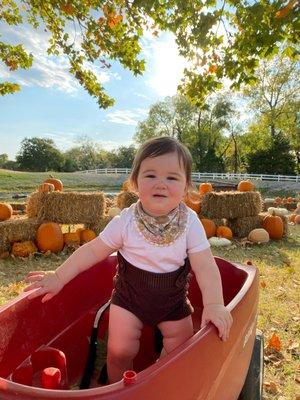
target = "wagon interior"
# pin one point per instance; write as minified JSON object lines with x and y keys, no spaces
{"x":35,"y":336}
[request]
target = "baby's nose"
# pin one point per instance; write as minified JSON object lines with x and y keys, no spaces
{"x":161,"y":183}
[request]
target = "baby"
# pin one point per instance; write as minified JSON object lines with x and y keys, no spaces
{"x":159,"y":241}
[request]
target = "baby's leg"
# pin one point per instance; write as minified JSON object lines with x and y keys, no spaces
{"x":175,"y":333}
{"x":124,"y":332}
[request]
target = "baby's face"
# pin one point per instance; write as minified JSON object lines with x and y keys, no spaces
{"x":161,"y":184}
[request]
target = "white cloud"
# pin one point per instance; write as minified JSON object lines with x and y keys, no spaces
{"x":46,"y":71}
{"x":127,"y":117}
{"x":110,"y":145}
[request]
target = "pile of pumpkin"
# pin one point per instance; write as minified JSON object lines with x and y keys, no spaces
{"x":272,"y":224}
{"x":49,"y":235}
{"x":50,"y":238}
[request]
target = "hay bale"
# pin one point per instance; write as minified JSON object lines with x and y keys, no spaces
{"x":285,"y":220}
{"x":99,"y":225}
{"x":125,"y":199}
{"x":231,"y":205}
{"x":67,"y":208}
{"x":241,"y":227}
{"x":19,"y":207}
{"x":17,"y":230}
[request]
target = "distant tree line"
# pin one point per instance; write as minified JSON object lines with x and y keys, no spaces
{"x":38,"y":154}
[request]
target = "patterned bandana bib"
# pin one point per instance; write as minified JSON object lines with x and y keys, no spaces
{"x":164,"y":230}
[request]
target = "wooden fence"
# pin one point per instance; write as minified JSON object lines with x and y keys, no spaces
{"x":200,"y":176}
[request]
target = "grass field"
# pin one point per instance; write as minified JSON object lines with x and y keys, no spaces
{"x":16,"y":182}
{"x":279,"y":306}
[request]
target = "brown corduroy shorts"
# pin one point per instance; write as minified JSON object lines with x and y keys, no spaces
{"x":150,"y":296}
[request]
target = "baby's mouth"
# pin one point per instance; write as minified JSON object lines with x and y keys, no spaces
{"x":159,"y":195}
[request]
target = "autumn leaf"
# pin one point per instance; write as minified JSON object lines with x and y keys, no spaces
{"x":271,"y":387}
{"x":263,"y":284}
{"x":283,"y":12}
{"x":114,"y":20}
{"x":274,"y":342}
{"x":155,"y":33}
{"x":212,"y":68}
{"x":101,"y":20}
{"x":68,"y":8}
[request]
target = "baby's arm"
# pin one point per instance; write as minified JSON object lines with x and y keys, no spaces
{"x":209,"y":281}
{"x":51,"y":282}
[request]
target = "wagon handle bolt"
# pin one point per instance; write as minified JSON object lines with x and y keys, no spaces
{"x":129,"y":377}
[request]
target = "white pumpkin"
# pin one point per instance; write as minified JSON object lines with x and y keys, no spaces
{"x":113,"y":211}
{"x":259,"y":235}
{"x":269,"y":200}
{"x":219,"y":242}
{"x":278,"y":211}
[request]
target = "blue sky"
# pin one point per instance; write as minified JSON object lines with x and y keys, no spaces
{"x":52,"y":105}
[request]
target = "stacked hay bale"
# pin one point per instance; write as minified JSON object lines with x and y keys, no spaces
{"x":17,"y":230}
{"x":69,"y":208}
{"x":66,"y":208}
{"x":239,"y":209}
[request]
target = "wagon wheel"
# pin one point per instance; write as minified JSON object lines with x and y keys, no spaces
{"x":253,"y":386}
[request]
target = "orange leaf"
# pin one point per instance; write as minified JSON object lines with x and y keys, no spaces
{"x":212,"y":68}
{"x":101,"y":20}
{"x":274,"y":342}
{"x":271,"y":387}
{"x":115,"y":20}
{"x":285,"y":10}
{"x":68,"y":8}
{"x":263,"y":284}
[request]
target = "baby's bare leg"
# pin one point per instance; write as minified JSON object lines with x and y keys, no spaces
{"x":124,"y":334}
{"x":175,"y":333}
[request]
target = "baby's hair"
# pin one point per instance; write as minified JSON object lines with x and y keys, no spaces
{"x":158,"y":147}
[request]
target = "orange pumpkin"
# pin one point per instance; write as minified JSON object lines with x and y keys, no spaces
{"x":58,"y":186}
{"x":245,"y":186}
{"x":49,"y":237}
{"x":274,"y":226}
{"x":87,"y":235}
{"x":193,"y":200}
{"x":205,"y":187}
{"x":23,"y":249}
{"x":6,"y":211}
{"x":290,"y":199}
{"x":297,"y":219}
{"x":46,"y":187}
{"x":224,"y":232}
{"x":72,"y":237}
{"x":278,"y":200}
{"x":209,"y":227}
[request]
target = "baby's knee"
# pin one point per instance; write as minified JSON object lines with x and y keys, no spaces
{"x":122,"y":351}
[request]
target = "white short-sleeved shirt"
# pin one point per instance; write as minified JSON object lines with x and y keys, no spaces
{"x":122,"y":234}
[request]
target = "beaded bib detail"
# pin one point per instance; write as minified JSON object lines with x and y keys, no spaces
{"x":164,"y":230}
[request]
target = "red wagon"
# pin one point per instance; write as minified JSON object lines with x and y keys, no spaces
{"x":36,"y":338}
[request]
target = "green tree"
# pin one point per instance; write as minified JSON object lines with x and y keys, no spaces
{"x":275,"y":100}
{"x":276,"y":93}
{"x":200,"y":128}
{"x":276,"y":159}
{"x":3,"y":160}
{"x":220,"y":39}
{"x":123,"y":156}
{"x":38,"y":154}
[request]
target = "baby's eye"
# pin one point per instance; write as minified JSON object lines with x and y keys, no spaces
{"x":150,"y":176}
{"x":172,"y":178}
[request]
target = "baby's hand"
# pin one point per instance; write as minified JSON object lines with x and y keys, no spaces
{"x":46,"y":283}
{"x":219,"y":316}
